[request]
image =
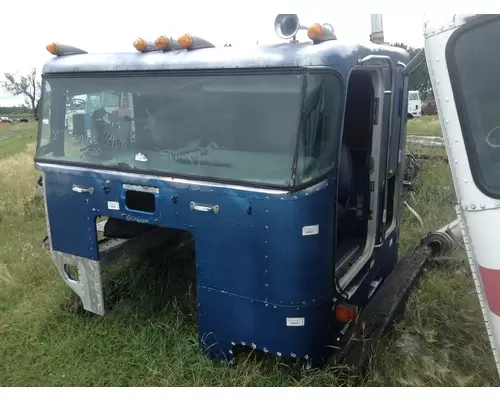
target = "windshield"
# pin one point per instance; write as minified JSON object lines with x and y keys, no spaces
{"x":413,"y":96}
{"x":476,"y":85}
{"x":231,"y":127}
{"x":240,"y":128}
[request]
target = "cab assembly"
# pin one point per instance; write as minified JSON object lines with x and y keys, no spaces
{"x":283,"y":162}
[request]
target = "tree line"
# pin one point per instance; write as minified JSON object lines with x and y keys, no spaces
{"x":29,"y":85}
{"x":15,"y":110}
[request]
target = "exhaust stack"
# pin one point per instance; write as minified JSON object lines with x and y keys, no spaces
{"x":377,"y":35}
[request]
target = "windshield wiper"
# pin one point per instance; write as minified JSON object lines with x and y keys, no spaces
{"x":193,"y":156}
{"x":200,"y":162}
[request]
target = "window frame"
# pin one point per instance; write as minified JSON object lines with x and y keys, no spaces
{"x":327,"y":71}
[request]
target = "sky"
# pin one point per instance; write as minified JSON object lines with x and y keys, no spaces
{"x":110,"y":25}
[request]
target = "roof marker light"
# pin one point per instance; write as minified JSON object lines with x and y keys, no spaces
{"x":166,"y":43}
{"x":193,"y":42}
{"x":321,"y":33}
{"x":186,"y":41}
{"x":58,"y":49}
{"x":287,"y":26}
{"x":53,"y":48}
{"x":315,"y":32}
{"x":144,"y":46}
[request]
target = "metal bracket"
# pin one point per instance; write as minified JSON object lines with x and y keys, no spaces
{"x":89,"y":284}
{"x":414,"y":63}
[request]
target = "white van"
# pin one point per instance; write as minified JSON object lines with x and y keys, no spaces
{"x":414,"y":104}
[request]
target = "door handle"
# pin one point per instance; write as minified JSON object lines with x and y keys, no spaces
{"x":79,"y":189}
{"x":199,"y":207}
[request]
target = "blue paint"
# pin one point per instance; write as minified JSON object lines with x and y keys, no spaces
{"x":254,"y":268}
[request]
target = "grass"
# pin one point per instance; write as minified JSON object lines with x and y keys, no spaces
{"x":14,"y":137}
{"x":149,"y":336}
{"x":427,"y":125}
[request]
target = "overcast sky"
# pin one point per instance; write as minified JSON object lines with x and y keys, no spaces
{"x":110,"y":25}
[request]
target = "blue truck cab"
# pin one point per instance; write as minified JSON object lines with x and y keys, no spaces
{"x":283,"y":162}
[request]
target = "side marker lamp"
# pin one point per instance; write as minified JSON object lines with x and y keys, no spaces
{"x":186,"y":41}
{"x":321,"y":33}
{"x":58,"y":49}
{"x":143,"y":45}
{"x":166,"y":43}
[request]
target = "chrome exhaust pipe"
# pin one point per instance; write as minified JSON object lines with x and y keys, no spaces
{"x":377,"y":35}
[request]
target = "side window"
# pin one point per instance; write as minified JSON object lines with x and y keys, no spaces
{"x":52,"y":125}
{"x":473,"y":68}
{"x":320,"y":127}
{"x":44,"y":124}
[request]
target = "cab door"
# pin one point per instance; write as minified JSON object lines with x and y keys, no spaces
{"x":463,"y":59}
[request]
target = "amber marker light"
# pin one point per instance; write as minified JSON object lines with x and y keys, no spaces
{"x":161,"y":42}
{"x":52,"y":48}
{"x":315,"y":32}
{"x":186,"y":41}
{"x":140,"y":44}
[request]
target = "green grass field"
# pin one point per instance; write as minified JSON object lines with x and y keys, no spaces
{"x":14,"y":137}
{"x":427,"y":125}
{"x":149,"y":336}
{"x":19,"y":115}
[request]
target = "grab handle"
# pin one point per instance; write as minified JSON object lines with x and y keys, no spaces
{"x":79,"y":189}
{"x":199,"y":207}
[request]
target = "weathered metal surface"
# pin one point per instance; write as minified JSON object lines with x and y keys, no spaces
{"x":277,"y":55}
{"x":88,"y":287}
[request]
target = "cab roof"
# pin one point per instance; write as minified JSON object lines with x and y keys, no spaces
{"x":332,"y":53}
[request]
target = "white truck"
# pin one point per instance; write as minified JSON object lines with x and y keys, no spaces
{"x":414,"y":104}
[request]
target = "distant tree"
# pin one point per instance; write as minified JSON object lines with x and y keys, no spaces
{"x":27,"y":85}
{"x":419,"y":79}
